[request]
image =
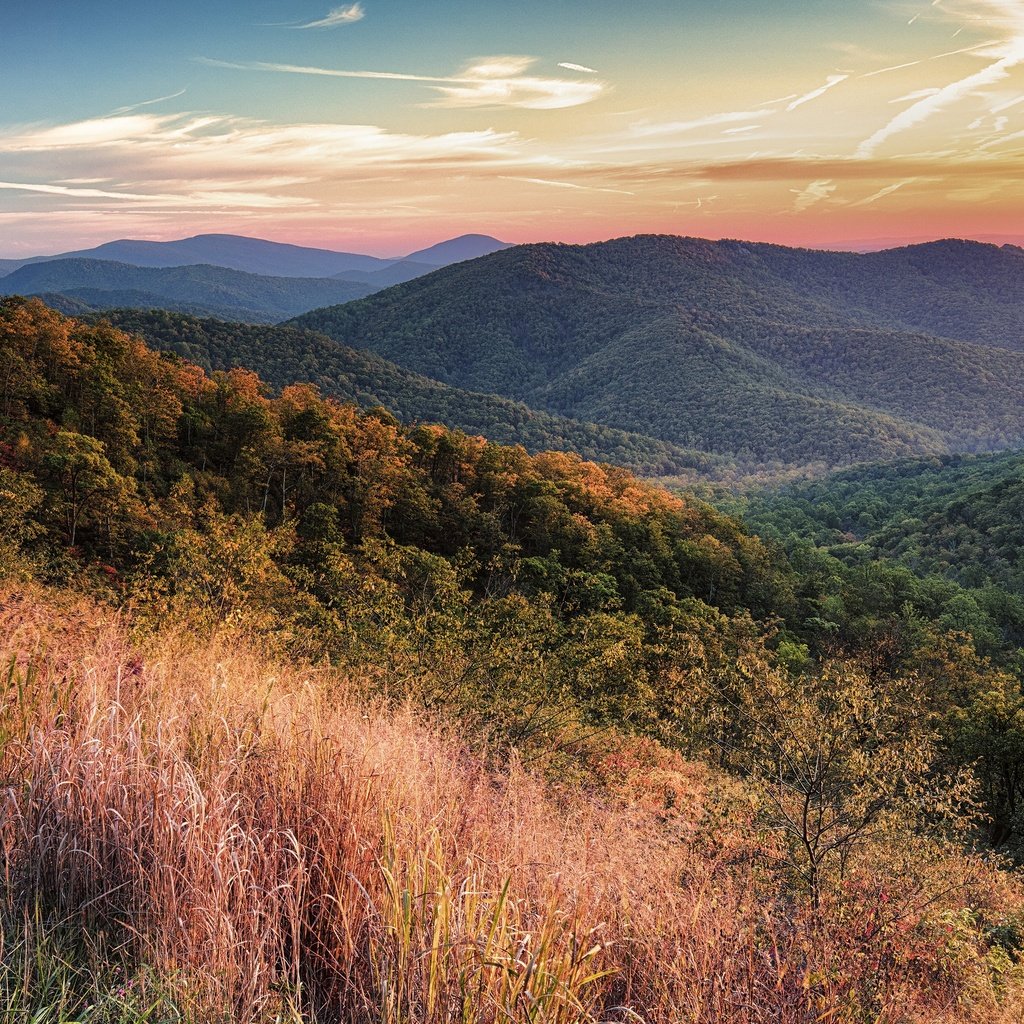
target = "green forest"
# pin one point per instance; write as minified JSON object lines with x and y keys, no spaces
{"x":775,"y":358}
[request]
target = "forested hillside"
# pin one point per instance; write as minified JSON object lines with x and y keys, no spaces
{"x":283,"y":355}
{"x":757,"y":352}
{"x":308,"y":713}
{"x":959,"y":517}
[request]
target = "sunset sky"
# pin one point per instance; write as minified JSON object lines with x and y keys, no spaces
{"x":384,"y":125}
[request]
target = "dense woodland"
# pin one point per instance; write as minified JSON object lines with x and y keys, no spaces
{"x":807,"y":741}
{"x":759,"y":353}
{"x":958,"y":517}
{"x":282,"y":355}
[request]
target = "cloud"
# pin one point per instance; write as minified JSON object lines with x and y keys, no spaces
{"x":577,"y":67}
{"x":883,"y":192}
{"x":504,"y":82}
{"x":831,"y":82}
{"x":916,"y":95}
{"x":566,"y":184}
{"x":338,"y":16}
{"x":816,"y":192}
{"x":88,"y":134}
{"x":188,"y":160}
{"x":63,"y":190}
{"x":928,"y":107}
{"x":1004,"y":15}
{"x":677,"y":127}
{"x":200,"y":198}
{"x":788,"y":169}
{"x":149,"y":103}
{"x":302,"y":69}
{"x":500,"y":81}
{"x":939,"y":56}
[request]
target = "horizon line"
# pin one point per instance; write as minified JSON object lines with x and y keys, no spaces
{"x":864,"y":245}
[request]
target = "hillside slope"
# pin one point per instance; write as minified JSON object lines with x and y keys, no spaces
{"x":960,"y":517}
{"x":756,"y":351}
{"x":285,"y":355}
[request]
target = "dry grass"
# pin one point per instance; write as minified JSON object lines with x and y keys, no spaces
{"x":191,"y":833}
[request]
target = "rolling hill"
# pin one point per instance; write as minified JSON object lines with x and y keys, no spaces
{"x":215,"y":290}
{"x":960,"y":517}
{"x":759,"y":352}
{"x":285,"y":355}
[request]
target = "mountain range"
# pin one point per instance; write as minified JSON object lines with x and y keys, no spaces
{"x":261,"y":256}
{"x":673,"y":356}
{"x":227,"y":276}
{"x":763,"y":354}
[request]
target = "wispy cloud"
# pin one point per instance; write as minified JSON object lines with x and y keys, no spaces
{"x":946,"y":97}
{"x":505,"y":82}
{"x":345,"y":15}
{"x":831,"y":82}
{"x":149,"y":103}
{"x":814,"y":193}
{"x":569,"y":66}
{"x":191,"y":160}
{"x":65,"y":190}
{"x":303,"y":69}
{"x":1008,"y":54}
{"x":711,"y":120}
{"x":924,"y":60}
{"x":501,"y":81}
{"x":566,"y":184}
{"x":883,"y":192}
{"x":198,"y":198}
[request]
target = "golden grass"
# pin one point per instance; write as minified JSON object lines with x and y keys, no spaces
{"x":250,"y":841}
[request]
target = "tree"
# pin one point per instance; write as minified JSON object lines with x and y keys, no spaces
{"x":841,"y":761}
{"x":88,"y":485}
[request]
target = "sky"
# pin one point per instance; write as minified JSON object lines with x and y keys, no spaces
{"x":381,"y":126}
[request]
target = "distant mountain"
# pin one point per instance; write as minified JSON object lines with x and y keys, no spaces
{"x":235,"y":252}
{"x":285,"y":355}
{"x":762,"y":353}
{"x":274,"y":259}
{"x":394,"y":273}
{"x":215,"y":290}
{"x":455,"y":250}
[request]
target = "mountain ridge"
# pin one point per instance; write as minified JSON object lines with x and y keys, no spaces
{"x":233,"y":293}
{"x":260,"y":255}
{"x":752,"y":350}
{"x":283,"y":355}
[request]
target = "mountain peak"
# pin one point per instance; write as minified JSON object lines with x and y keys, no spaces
{"x":455,"y":250}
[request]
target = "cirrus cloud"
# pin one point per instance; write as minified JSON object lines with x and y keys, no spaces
{"x":500,"y":81}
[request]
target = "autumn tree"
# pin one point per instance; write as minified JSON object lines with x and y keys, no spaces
{"x":88,"y":486}
{"x":841,"y":762}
